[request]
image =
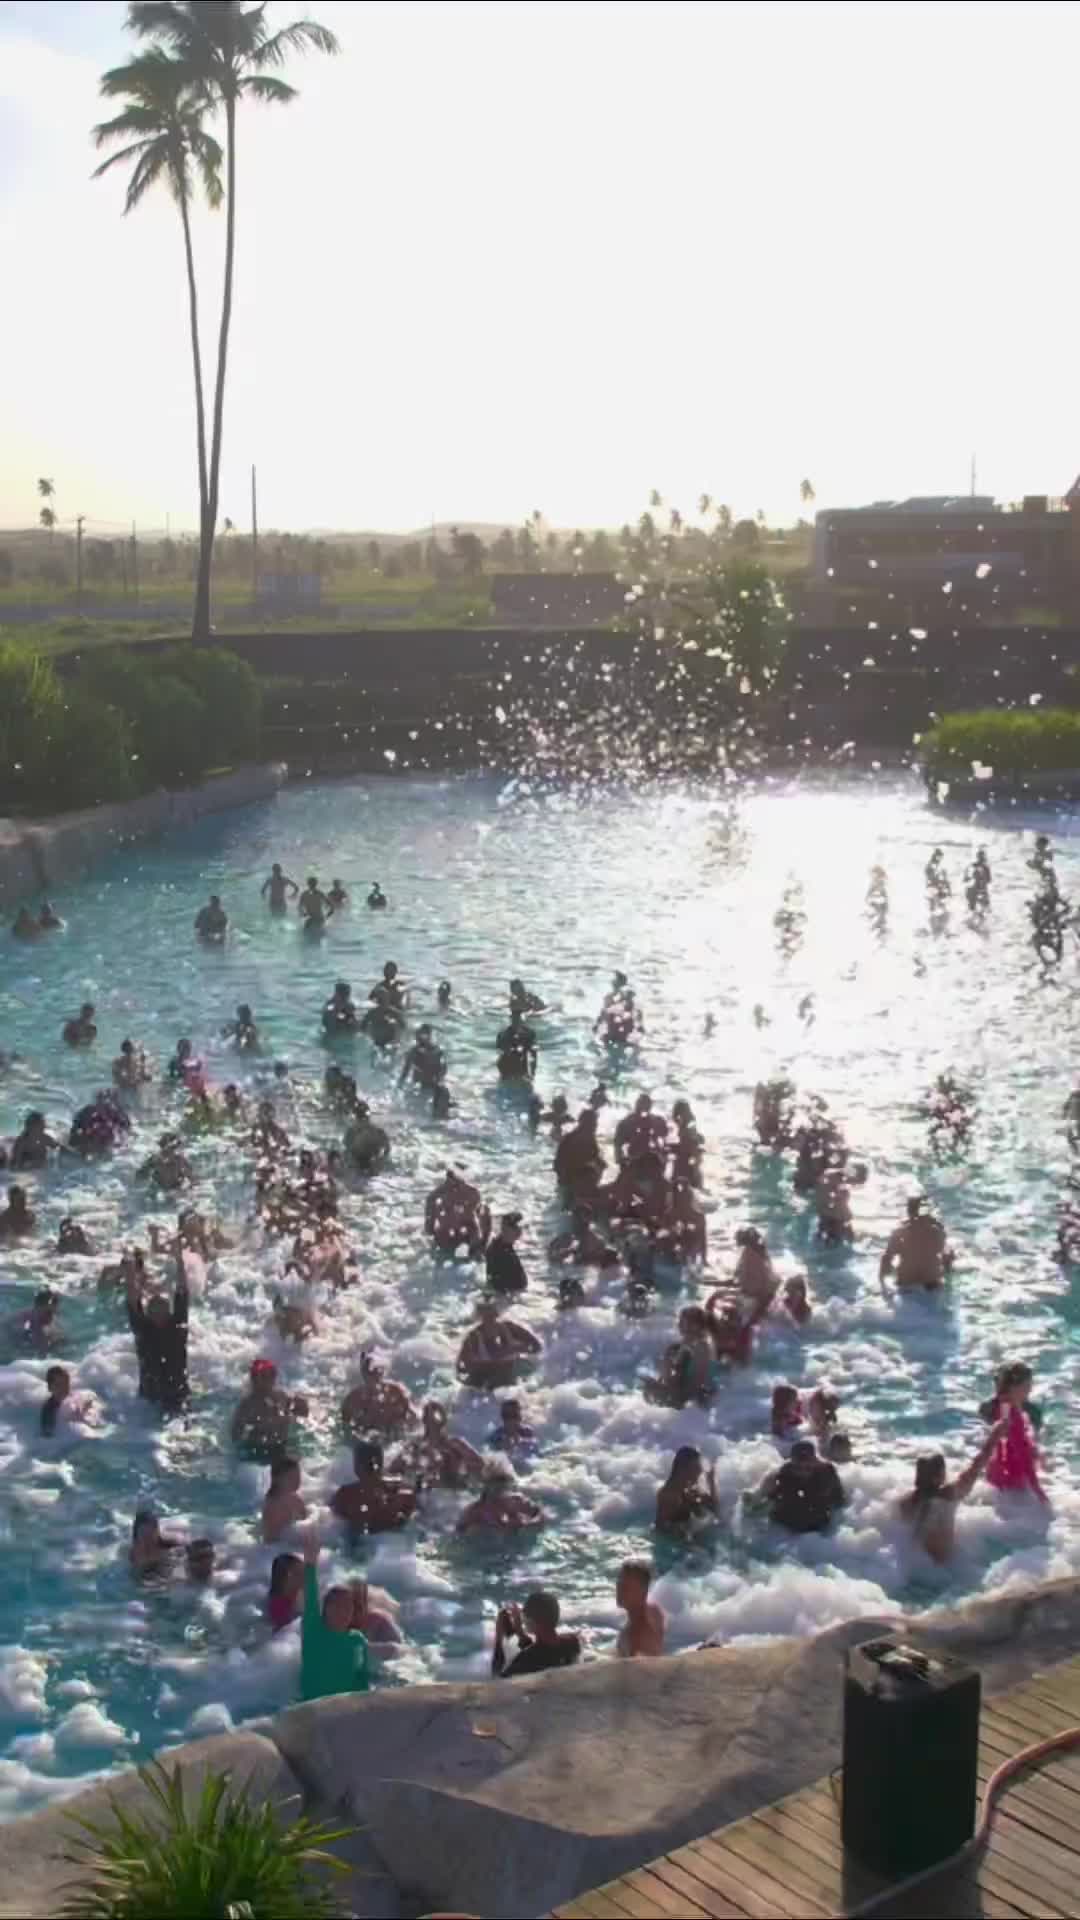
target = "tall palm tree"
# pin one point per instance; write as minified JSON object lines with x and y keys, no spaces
{"x":162,"y":130}
{"x":806,"y":492}
{"x":47,"y":516}
{"x":226,"y":51}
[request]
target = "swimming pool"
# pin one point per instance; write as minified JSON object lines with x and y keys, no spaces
{"x":486,"y":880}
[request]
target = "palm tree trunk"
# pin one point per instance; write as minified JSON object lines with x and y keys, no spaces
{"x":201,"y":621}
{"x":196,"y":357}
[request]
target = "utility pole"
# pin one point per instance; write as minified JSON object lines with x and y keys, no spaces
{"x":973,"y":476}
{"x":135,"y":564}
{"x":254,"y":541}
{"x":79,"y":518}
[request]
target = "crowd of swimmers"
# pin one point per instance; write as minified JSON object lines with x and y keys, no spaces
{"x":636,"y":1216}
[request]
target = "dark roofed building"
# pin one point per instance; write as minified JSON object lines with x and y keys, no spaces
{"x":556,"y":599}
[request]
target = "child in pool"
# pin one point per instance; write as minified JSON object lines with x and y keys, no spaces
{"x":1013,"y":1466}
{"x":795,"y":1300}
{"x":787,"y":1412}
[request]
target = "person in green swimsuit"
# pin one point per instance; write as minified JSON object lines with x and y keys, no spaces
{"x":333,"y":1655}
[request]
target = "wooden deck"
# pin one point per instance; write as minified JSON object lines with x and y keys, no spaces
{"x":786,"y":1862}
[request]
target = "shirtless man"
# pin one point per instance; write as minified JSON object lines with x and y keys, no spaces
{"x":212,"y":921}
{"x":755,"y":1275}
{"x":80,"y":1030}
{"x":278,"y":886}
{"x":579,"y":1162}
{"x":130,"y":1069}
{"x":639,"y":1132}
{"x":17,"y":1219}
{"x":314,"y":906}
{"x":437,"y":1458}
{"x":643,"y":1635}
{"x":339,"y":1014}
{"x":283,"y":1505}
{"x":371,"y":1503}
{"x":261,"y":1422}
{"x":376,"y":1404}
{"x":31,"y":1148}
{"x":516,"y":1049}
{"x":918,"y":1251}
{"x":491,"y":1351}
{"x":425,"y":1061}
{"x":500,"y":1507}
{"x":455,"y":1216}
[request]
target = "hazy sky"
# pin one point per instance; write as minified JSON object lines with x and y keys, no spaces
{"x":506,"y":254}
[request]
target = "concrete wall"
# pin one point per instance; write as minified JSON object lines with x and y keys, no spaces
{"x":38,"y":857}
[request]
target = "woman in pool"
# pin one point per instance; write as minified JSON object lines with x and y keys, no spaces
{"x":1014,"y":1459}
{"x":285,"y":1597}
{"x":688,"y":1369}
{"x":755,"y":1276}
{"x":683,"y":1505}
{"x":787,"y":1412}
{"x":930,"y":1508}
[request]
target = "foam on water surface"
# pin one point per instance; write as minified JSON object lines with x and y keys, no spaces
{"x":485,"y":882}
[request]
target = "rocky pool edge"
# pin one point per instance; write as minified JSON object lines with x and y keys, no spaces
{"x":39,"y":857}
{"x":501,"y":1797}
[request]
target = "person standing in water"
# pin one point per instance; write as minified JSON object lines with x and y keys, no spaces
{"x":314,"y":906}
{"x":161,"y":1338}
{"x":376,"y":899}
{"x":333,"y":1655}
{"x":918,"y":1251}
{"x":212,"y":921}
{"x":930,"y":1508}
{"x":643,"y":1635}
{"x":279,"y":887}
{"x":337,"y":896}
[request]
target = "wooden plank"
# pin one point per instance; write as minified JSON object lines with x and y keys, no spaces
{"x":997,"y":1746}
{"x":639,"y":1906}
{"x":993,"y":1873}
{"x":681,"y":1881}
{"x":1055,"y":1866}
{"x":644,"y":1881}
{"x":705,"y":1868}
{"x":597,"y":1905}
{"x":758,"y":1879}
{"x":1034,"y":1719}
{"x":791,"y":1868}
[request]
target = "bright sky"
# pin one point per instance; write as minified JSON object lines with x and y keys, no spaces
{"x":516,"y":254}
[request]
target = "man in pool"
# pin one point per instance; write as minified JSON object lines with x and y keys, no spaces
{"x":579,"y":1161}
{"x":212,"y":921}
{"x":261,"y":1424}
{"x":376,"y":1404}
{"x":505,"y":1272}
{"x":437,"y":1457}
{"x":337,"y":896}
{"x":376,"y":898}
{"x":17,"y":1220}
{"x":455,"y":1216}
{"x":640,"y":1131}
{"x":339,"y":1015}
{"x":523,"y":1001}
{"x":161,"y":1338}
{"x":31,"y":1148}
{"x":801,"y":1496}
{"x":492,"y":1352}
{"x":425,"y":1061}
{"x":314,"y":906}
{"x":643,"y":1635}
{"x":80,"y":1030}
{"x":541,"y":1646}
{"x":279,"y":887}
{"x":371,"y":1503}
{"x":499,"y":1508}
{"x":391,"y":987}
{"x":516,"y":1049}
{"x":918,"y":1251}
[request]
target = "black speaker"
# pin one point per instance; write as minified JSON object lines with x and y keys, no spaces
{"x":911,"y":1744}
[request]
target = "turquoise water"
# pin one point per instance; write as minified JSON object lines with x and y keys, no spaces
{"x":485,"y":881}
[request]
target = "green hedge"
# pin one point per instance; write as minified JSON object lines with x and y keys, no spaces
{"x":1031,"y":741}
{"x":129,"y":722}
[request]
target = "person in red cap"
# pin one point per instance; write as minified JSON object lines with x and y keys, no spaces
{"x":261,"y":1422}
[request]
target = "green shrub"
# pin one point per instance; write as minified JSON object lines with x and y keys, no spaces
{"x":91,"y":757}
{"x":220,"y":1856}
{"x":168,"y":720}
{"x":31,"y":716}
{"x":1009,"y":741}
{"x":230,"y":691}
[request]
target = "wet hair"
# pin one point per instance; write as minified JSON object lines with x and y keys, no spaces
{"x":803,"y":1450}
{"x":144,"y":1517}
{"x":638,"y":1570}
{"x":785,"y":1399}
{"x":684,"y":1459}
{"x":280,"y":1568}
{"x":510,"y":1406}
{"x":542,"y":1608}
{"x":1018,"y":1374}
{"x":750,"y":1237}
{"x":367,"y":1456}
{"x":55,"y":1374}
{"x":929,"y":1477}
{"x":283,"y":1464}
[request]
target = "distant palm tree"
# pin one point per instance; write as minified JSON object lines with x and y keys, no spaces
{"x":48,"y":520}
{"x":806,"y":492}
{"x":704,"y":504}
{"x":163,"y":133}
{"x":225,"y":51}
{"x":47,"y":516}
{"x":46,"y":488}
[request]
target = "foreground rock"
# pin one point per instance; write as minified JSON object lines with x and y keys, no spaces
{"x":510,"y":1797}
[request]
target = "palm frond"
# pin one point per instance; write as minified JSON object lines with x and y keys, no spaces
{"x":268,"y":88}
{"x":301,"y":36}
{"x":208,"y":157}
{"x":159,"y":20}
{"x":148,"y":170}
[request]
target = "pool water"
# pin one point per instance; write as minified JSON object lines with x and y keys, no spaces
{"x":487,"y":880}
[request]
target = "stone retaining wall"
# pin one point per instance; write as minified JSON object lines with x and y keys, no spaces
{"x":38,"y":857}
